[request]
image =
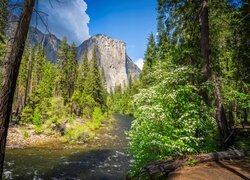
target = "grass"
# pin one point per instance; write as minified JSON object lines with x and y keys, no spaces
{"x":192,"y":162}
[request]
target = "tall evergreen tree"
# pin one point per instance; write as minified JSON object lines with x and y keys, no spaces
{"x":64,"y":69}
{"x":98,"y":89}
{"x":72,"y":69}
{"x":22,"y":82}
{"x":150,"y":60}
{"x":38,"y":65}
{"x":82,"y":73}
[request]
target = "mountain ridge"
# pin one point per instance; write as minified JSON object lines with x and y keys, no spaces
{"x":111,"y":54}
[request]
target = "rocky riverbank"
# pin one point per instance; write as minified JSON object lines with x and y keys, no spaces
{"x":25,"y":137}
{"x":105,"y":157}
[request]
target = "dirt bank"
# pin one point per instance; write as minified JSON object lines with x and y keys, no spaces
{"x":221,"y":170}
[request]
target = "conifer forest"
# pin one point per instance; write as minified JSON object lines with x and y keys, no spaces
{"x":87,"y":111}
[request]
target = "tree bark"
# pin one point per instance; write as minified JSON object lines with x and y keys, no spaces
{"x":205,"y":69}
{"x":209,"y":74}
{"x":29,"y":74}
{"x":205,"y":40}
{"x":220,"y":114}
{"x":11,"y":74}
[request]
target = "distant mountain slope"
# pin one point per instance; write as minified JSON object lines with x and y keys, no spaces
{"x":111,"y":54}
{"x":49,"y":42}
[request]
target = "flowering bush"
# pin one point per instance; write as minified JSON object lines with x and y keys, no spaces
{"x":171,"y":119}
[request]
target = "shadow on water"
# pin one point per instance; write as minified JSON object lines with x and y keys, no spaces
{"x":105,"y":161}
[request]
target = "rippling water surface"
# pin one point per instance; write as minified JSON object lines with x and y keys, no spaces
{"x":105,"y":158}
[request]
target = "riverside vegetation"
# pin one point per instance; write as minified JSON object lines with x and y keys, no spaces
{"x":193,"y":90}
{"x":67,"y":100}
{"x":194,"y":86}
{"x":52,"y":96}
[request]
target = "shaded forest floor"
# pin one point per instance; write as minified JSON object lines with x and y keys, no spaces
{"x":220,"y":170}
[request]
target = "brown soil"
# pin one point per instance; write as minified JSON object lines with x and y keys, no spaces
{"x":221,"y":170}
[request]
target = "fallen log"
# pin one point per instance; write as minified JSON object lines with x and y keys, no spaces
{"x":169,"y":165}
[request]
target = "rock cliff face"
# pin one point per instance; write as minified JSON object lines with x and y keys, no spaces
{"x":112,"y":57}
{"x":49,"y":42}
{"x":111,"y":54}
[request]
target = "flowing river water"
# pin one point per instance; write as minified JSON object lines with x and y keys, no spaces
{"x":104,"y":158}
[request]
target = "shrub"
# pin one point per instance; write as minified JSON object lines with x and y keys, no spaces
{"x":78,"y":133}
{"x":171,"y":119}
{"x":90,"y":125}
{"x":37,"y":119}
{"x":27,"y":115}
{"x":98,"y":117}
{"x":25,"y":134}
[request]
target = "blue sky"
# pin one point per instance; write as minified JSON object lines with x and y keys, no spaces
{"x":128,"y":20}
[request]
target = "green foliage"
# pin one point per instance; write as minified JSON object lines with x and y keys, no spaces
{"x":50,"y":96}
{"x":47,"y":85}
{"x":68,"y":66}
{"x":90,"y":125}
{"x":98,"y":89}
{"x":122,"y":102}
{"x":82,"y":73}
{"x":98,"y":117}
{"x":171,"y":119}
{"x":38,"y":66}
{"x":37,"y":119}
{"x":57,"y":116}
{"x":3,"y":16}
{"x":27,"y":115}
{"x":88,"y":104}
{"x":25,"y":134}
{"x":78,"y":133}
{"x":192,"y":162}
{"x":149,"y":60}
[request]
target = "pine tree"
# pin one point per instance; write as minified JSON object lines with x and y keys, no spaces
{"x":149,"y":60}
{"x":64,"y":69}
{"x":98,"y":89}
{"x":103,"y":77}
{"x":82,"y":73}
{"x":72,"y":69}
{"x":22,"y":82}
{"x":38,"y":66}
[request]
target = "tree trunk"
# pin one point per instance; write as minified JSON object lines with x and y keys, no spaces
{"x":11,"y":74}
{"x":220,"y":114}
{"x":205,"y":40}
{"x":205,"y":47}
{"x":231,"y":119}
{"x":29,"y":74}
{"x":208,"y":74}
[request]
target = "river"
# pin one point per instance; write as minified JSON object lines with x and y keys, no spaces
{"x":104,"y":158}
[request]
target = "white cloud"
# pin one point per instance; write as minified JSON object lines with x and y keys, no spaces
{"x":67,"y":18}
{"x":139,"y":62}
